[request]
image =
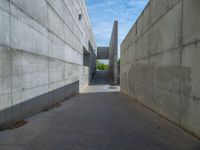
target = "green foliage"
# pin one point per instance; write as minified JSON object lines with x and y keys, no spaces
{"x":102,"y":66}
{"x":118,"y":61}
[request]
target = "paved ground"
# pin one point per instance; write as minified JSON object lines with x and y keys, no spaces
{"x":96,"y":120}
{"x":101,"y":83}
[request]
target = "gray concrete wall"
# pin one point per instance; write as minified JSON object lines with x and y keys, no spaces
{"x":102,"y":52}
{"x":160,"y":60}
{"x":113,"y":53}
{"x":41,"y":54}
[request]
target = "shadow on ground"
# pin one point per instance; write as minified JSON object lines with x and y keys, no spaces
{"x":98,"y":121}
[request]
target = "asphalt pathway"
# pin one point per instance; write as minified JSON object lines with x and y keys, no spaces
{"x":100,"y":118}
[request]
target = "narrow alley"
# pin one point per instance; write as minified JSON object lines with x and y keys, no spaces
{"x":99,"y":119}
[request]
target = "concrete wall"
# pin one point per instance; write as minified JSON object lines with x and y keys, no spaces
{"x":102,"y":52}
{"x":41,"y":54}
{"x":160,"y":60}
{"x":113,"y":53}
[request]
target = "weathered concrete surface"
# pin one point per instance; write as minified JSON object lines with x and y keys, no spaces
{"x":102,"y":52}
{"x":98,"y":121}
{"x":160,"y":61}
{"x":41,"y":54}
{"x":113,"y":53}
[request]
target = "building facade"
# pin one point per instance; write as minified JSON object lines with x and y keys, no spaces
{"x":47,"y":54}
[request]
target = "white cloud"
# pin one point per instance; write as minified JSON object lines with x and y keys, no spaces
{"x":104,"y":12}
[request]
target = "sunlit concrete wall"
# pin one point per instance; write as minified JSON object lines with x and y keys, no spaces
{"x":113,"y":53}
{"x":41,"y":54}
{"x":160,"y":60}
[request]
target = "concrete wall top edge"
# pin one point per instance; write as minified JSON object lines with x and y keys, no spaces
{"x":159,"y":62}
{"x":129,"y":32}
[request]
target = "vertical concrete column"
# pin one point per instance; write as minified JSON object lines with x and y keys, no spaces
{"x":113,"y":53}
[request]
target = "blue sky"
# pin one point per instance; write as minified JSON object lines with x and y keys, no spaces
{"x":103,"y":13}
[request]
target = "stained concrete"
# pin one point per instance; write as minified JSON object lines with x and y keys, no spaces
{"x":113,"y":53}
{"x":160,"y":59}
{"x":41,"y":51}
{"x":106,"y":120}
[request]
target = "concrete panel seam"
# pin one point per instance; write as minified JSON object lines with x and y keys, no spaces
{"x":63,"y":20}
{"x":157,"y":53}
{"x":4,"y":9}
{"x":191,"y":43}
{"x":149,"y":28}
{"x":4,"y":45}
{"x":48,"y":62}
{"x":11,"y":73}
{"x":181,"y":64}
{"x":30,"y":18}
{"x":87,"y":17}
{"x":63,"y":41}
{"x":164,"y":14}
{"x":73,"y":15}
{"x":12,"y":48}
{"x":47,"y":28}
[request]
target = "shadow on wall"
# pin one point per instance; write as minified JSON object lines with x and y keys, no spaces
{"x":37,"y":104}
{"x":89,"y":60}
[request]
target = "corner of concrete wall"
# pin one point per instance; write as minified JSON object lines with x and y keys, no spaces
{"x":113,"y":53}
